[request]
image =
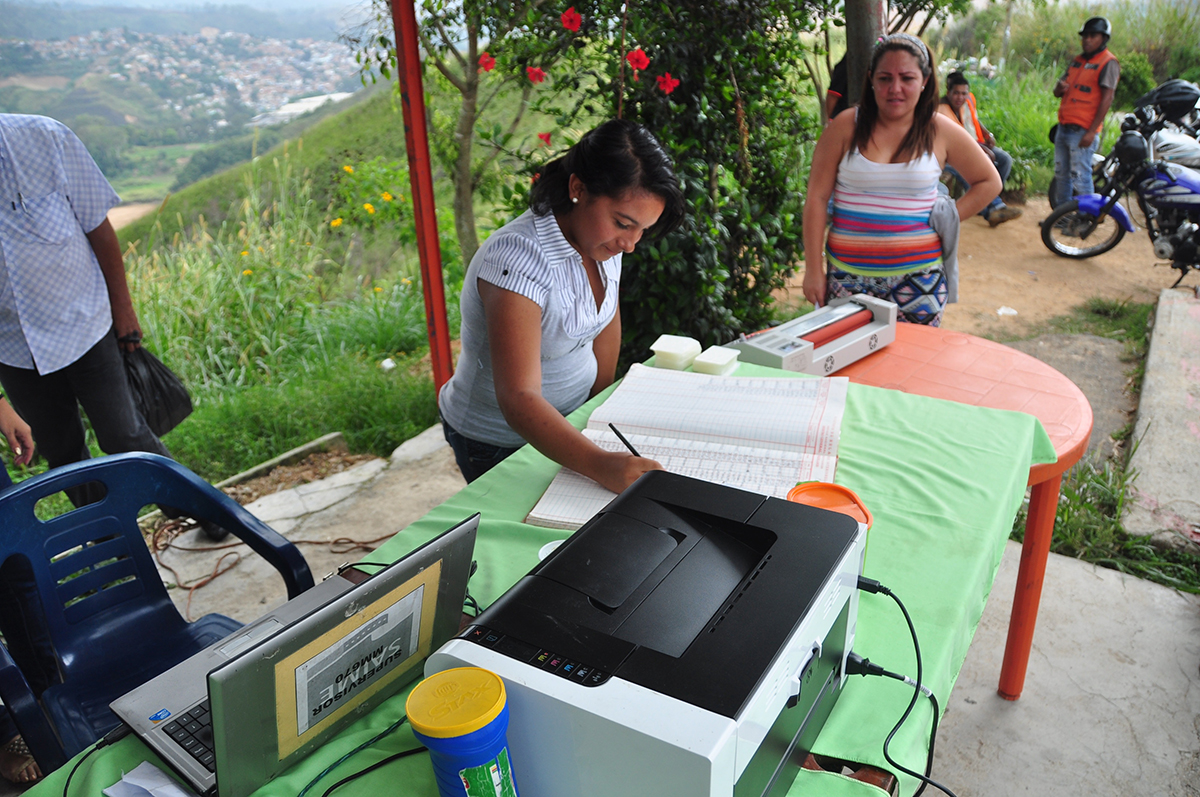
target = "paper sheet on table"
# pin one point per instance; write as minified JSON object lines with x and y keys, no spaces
{"x":759,"y":434}
{"x":147,"y":780}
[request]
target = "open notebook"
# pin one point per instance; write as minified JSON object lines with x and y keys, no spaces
{"x":759,"y":434}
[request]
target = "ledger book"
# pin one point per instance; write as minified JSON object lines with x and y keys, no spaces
{"x":761,"y":434}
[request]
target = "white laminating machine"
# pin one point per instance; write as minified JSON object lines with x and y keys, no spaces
{"x":688,"y":641}
{"x":828,"y":338}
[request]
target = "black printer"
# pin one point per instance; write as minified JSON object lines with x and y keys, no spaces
{"x":690,"y":635}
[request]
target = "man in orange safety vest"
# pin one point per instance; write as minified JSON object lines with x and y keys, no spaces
{"x":1086,"y":93}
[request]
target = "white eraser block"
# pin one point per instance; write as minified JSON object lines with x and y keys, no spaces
{"x":716,"y":360}
{"x":675,"y":352}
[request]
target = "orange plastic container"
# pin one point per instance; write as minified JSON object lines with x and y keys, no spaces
{"x":833,"y":497}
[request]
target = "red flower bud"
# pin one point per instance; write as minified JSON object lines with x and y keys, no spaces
{"x":544,"y":137}
{"x":486,"y":62}
{"x":535,"y":74}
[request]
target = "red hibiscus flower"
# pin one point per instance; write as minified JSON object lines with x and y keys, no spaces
{"x":638,"y":60}
{"x":486,"y":62}
{"x":544,"y":137}
{"x":536,"y":75}
{"x":571,"y":19}
{"x":667,"y":83}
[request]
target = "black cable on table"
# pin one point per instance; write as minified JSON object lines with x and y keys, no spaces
{"x":870,"y":585}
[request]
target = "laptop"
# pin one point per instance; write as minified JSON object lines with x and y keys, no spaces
{"x":247,"y":707}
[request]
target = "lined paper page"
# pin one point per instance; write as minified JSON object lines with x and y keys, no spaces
{"x":762,"y":435}
{"x":795,"y":414}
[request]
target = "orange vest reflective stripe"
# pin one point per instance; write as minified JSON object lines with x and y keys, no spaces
{"x":1082,"y":100}
{"x":979,"y":136}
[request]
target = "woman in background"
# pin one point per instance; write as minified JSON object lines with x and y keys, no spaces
{"x":540,"y":327}
{"x":880,"y":162}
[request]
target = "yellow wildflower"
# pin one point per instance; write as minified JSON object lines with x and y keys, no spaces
{"x":261,"y":250}
{"x":245,"y":252}
{"x":348,"y":169}
{"x":334,"y":223}
{"x":378,"y":289}
{"x":247,"y":272}
{"x":367,"y":206}
{"x":387,"y":197}
{"x":406,"y":281}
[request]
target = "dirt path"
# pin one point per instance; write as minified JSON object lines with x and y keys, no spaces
{"x":127,"y":214}
{"x":1009,"y":266}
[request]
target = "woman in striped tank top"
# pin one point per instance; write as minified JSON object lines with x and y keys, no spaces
{"x":880,"y":163}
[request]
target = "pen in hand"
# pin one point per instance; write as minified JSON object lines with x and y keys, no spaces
{"x":621,"y":437}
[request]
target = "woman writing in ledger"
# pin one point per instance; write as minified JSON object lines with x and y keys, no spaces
{"x":540,"y":327}
{"x":881,"y":162}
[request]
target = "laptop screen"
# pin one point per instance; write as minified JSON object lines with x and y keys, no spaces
{"x":333,"y":674}
{"x":283,"y":697}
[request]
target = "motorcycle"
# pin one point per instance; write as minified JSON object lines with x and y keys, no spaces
{"x":1178,"y":102}
{"x":1168,"y":195}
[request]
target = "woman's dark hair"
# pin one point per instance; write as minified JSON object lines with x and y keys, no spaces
{"x":919,"y":139}
{"x":613,"y":159}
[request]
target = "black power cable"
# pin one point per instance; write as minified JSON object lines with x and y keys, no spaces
{"x":112,"y":737}
{"x":874,"y":587}
{"x":373,"y":767}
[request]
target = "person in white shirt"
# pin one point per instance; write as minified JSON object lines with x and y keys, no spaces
{"x":540,"y":326}
{"x":65,"y":309}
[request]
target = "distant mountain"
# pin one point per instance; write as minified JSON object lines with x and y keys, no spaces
{"x":52,"y":20}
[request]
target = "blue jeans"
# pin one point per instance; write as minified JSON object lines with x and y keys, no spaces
{"x":1004,"y":164}
{"x":1072,"y":163}
{"x":474,"y":457}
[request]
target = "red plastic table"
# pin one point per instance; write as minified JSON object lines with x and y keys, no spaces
{"x":933,"y":362}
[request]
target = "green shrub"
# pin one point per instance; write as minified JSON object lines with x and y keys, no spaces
{"x":736,"y":132}
{"x":1137,"y":77}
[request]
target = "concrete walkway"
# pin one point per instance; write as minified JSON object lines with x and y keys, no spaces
{"x":1167,"y":504}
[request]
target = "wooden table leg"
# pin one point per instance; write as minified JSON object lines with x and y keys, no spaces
{"x":1039,"y":530}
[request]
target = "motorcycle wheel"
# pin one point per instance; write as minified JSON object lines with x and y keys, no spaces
{"x":1062,"y":228}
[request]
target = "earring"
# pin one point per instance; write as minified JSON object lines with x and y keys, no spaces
{"x":574,"y":200}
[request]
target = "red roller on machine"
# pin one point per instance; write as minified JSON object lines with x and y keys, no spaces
{"x":819,"y":337}
{"x":824,"y":340}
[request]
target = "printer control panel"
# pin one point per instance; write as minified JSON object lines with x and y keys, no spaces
{"x":548,"y":660}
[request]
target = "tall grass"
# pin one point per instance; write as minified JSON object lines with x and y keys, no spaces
{"x":260,"y":302}
{"x":278,"y":342}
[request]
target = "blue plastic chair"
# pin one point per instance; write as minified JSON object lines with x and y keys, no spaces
{"x":107,"y":613}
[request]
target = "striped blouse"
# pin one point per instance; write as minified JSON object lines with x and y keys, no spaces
{"x":881,"y":217}
{"x":529,"y":256}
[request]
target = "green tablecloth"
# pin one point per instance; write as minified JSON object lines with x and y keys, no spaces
{"x":943,"y":481}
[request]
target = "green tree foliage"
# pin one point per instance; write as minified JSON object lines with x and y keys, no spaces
{"x":106,"y":142}
{"x":482,"y":48}
{"x":1137,"y":77}
{"x":734,"y":127}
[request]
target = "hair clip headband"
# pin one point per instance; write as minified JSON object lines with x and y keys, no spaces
{"x":923,"y":56}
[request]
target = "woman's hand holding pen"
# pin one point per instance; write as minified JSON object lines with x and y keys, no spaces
{"x":618,"y":470}
{"x":631,"y":467}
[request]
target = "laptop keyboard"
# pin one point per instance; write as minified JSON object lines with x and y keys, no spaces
{"x":192,"y":731}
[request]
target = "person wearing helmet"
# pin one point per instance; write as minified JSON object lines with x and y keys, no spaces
{"x":1086,"y":93}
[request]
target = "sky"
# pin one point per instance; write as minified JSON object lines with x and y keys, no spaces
{"x":260,"y":5}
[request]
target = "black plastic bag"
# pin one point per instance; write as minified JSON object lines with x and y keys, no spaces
{"x":158,"y":394}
